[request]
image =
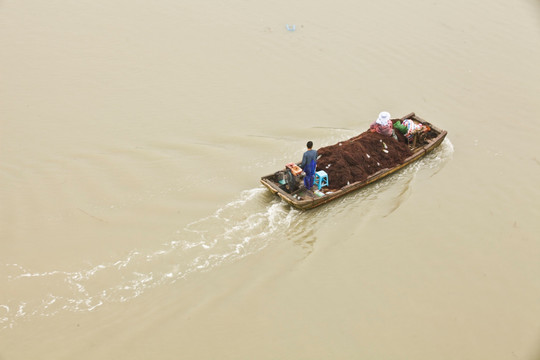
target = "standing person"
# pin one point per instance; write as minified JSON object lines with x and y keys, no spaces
{"x":383,"y":125}
{"x":309,"y":164}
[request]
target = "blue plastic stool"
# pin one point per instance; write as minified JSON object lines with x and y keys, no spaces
{"x":321,"y":179}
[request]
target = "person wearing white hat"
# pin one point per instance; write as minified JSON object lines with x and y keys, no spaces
{"x":383,"y":125}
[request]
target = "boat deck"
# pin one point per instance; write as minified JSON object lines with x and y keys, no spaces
{"x":304,"y":199}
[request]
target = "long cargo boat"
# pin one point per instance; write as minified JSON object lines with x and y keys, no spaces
{"x":279,"y":183}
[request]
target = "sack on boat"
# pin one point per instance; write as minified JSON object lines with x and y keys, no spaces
{"x":408,"y":127}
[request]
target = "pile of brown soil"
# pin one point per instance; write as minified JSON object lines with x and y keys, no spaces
{"x":359,"y":157}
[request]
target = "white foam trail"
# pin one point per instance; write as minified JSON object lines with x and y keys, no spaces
{"x":234,"y":231}
{"x":240,"y":228}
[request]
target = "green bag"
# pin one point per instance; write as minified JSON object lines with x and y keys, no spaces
{"x":399,"y":126}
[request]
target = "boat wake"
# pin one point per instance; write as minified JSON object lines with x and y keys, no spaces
{"x":238,"y":229}
{"x":396,"y":189}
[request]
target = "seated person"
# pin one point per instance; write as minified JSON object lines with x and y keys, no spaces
{"x":383,"y":125}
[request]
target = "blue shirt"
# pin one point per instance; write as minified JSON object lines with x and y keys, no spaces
{"x":307,"y":158}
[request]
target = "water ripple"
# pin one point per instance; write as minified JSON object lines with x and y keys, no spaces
{"x":237,"y":230}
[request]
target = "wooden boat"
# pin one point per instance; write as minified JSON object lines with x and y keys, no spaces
{"x":301,"y":198}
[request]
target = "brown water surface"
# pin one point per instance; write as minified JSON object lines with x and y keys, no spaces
{"x":133,"y":136}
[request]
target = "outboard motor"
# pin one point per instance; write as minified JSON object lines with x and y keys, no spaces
{"x":291,"y":181}
{"x":287,"y":180}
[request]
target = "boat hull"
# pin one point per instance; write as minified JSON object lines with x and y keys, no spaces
{"x":311,"y":202}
